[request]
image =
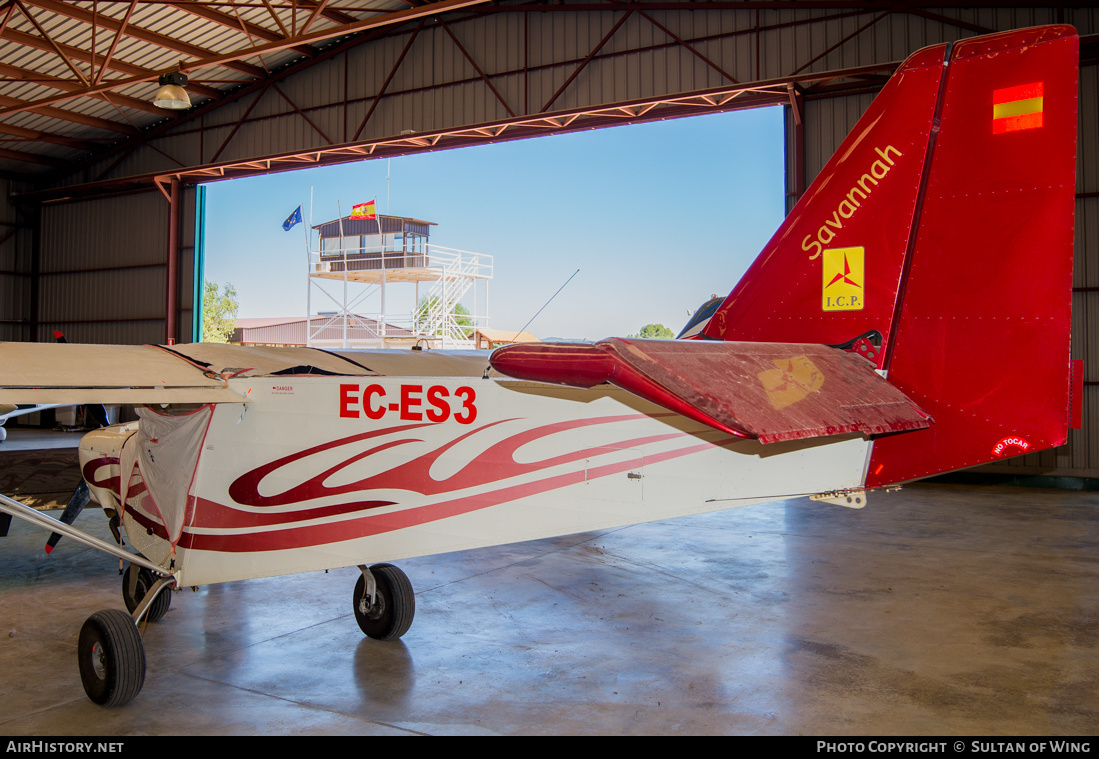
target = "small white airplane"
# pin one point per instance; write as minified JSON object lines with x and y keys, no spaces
{"x":911,"y":316}
{"x":9,"y":410}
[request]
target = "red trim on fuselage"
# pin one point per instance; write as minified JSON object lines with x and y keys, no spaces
{"x":376,"y":524}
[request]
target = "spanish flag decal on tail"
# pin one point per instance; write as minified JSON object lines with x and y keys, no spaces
{"x":1017,"y":108}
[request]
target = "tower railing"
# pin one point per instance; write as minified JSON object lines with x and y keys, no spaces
{"x":451,"y":272}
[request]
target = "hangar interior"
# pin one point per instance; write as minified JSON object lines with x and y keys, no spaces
{"x":100,"y":214}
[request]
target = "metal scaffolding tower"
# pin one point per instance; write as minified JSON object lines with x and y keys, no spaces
{"x":367,"y":257}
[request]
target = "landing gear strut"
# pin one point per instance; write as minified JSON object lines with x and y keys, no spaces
{"x":136,"y":583}
{"x":384,"y":602}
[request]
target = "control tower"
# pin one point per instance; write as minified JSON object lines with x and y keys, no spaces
{"x":363,"y":261}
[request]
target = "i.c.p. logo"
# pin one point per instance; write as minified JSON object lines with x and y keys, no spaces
{"x":844,"y":270}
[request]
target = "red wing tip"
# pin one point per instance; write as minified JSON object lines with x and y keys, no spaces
{"x":575,"y":364}
{"x":49,"y":549}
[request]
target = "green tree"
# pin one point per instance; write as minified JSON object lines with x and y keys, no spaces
{"x":655,"y":331}
{"x":219,"y":313}
{"x":461,"y":315}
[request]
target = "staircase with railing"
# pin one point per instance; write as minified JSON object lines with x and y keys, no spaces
{"x":438,"y":314}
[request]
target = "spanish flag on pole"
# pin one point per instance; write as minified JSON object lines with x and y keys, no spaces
{"x":1017,"y":108}
{"x":363,"y":211}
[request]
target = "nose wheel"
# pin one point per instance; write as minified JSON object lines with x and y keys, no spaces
{"x":384,"y":602}
{"x":112,"y":658}
{"x":110,"y":653}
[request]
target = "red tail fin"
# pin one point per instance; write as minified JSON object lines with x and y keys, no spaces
{"x":944,"y":222}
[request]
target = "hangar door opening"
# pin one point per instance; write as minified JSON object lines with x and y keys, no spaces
{"x":655,"y":218}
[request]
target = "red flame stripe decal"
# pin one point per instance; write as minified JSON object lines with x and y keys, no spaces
{"x":496,"y":463}
{"x":376,"y":524}
{"x":210,"y":514}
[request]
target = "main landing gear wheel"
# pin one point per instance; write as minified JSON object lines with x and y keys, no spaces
{"x":388,"y":615}
{"x":136,"y":582}
{"x":112,"y":658}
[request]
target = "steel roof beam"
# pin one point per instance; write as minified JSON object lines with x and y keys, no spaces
{"x":137,"y":73}
{"x":313,"y":16}
{"x":274,"y":17}
{"x":114,"y":43}
{"x":388,"y":79}
{"x":34,"y":135}
{"x":74,"y":117}
{"x":687,"y":46}
{"x":245,"y":27}
{"x":38,"y":158}
{"x":301,"y":113}
{"x":331,"y":14}
{"x":586,"y":61}
{"x":68,"y":85}
{"x":240,"y":121}
{"x":386,"y":19}
{"x":46,"y":36}
{"x":480,"y":73}
{"x":841,"y":43}
{"x":8,"y":11}
{"x":145,"y":35}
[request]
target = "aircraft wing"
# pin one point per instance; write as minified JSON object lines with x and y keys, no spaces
{"x":73,"y":373}
{"x":767,"y":391}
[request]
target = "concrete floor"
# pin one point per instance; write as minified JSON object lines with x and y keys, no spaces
{"x":40,"y":468}
{"x":938,"y":610}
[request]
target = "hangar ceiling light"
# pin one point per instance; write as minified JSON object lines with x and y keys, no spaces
{"x":171,"y":93}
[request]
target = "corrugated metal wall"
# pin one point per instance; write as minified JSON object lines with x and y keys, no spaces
{"x":1081,"y":456}
{"x":103,"y":269}
{"x":17,"y":233}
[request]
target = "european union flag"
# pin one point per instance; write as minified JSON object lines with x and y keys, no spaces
{"x":292,"y":219}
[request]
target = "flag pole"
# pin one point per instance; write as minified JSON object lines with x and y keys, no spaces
{"x":343,"y":250}
{"x":381,"y":237}
{"x":308,"y":270}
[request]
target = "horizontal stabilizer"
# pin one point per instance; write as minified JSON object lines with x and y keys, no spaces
{"x":769,"y":391}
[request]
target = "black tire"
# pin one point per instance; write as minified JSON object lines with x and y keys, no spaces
{"x":111,"y":657}
{"x":145,"y":581}
{"x":390,"y":616}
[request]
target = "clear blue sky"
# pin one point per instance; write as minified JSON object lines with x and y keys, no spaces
{"x":657,"y":217}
